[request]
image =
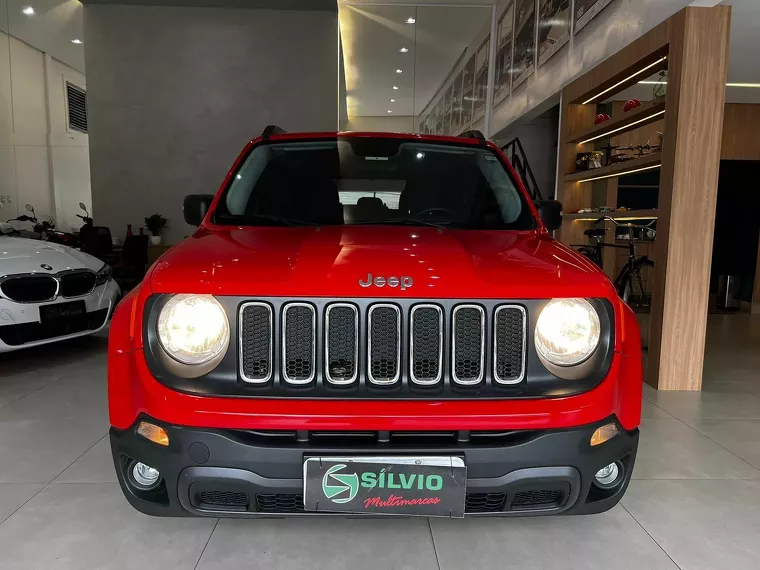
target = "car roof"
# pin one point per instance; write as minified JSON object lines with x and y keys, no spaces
{"x":468,"y":140}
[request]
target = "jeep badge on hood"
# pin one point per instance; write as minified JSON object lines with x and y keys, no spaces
{"x":404,"y":281}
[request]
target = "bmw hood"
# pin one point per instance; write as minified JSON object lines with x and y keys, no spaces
{"x":19,"y":255}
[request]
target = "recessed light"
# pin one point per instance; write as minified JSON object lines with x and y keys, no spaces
{"x":28,"y":10}
{"x":399,"y":71}
{"x":395,"y":87}
{"x":76,"y":41}
{"x":404,"y":49}
{"x":389,"y":111}
{"x":393,"y":100}
{"x":410,"y":20}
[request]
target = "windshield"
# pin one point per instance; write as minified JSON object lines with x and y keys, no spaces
{"x":371,"y":181}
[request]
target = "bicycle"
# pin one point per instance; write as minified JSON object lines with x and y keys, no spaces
{"x":633,"y":282}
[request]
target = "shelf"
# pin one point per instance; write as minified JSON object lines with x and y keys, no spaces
{"x":628,"y":215}
{"x":630,"y":121}
{"x":646,"y":162}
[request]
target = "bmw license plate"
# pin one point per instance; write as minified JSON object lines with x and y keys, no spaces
{"x":412,"y":486}
{"x":61,"y":311}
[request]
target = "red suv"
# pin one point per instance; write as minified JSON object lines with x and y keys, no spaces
{"x":373,"y":323}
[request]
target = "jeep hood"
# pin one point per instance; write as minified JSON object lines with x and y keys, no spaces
{"x":330,"y":261}
{"x":20,"y":255}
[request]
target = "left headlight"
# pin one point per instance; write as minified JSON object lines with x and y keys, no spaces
{"x":103,"y":276}
{"x":193,"y":329}
{"x":567,"y":332}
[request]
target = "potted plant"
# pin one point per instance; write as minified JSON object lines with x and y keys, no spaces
{"x":156,"y":224}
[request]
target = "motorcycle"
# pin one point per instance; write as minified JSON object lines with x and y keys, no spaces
{"x":42,"y":230}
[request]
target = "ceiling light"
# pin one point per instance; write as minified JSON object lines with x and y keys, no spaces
{"x":404,"y":49}
{"x":393,"y":100}
{"x":395,"y":87}
{"x":744,"y":85}
{"x":628,"y":126}
{"x":76,"y":41}
{"x":410,"y":20}
{"x":28,"y":10}
{"x":399,"y":71}
{"x":389,"y":111}
{"x":650,"y":66}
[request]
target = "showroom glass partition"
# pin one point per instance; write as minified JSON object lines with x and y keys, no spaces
{"x":412,"y":68}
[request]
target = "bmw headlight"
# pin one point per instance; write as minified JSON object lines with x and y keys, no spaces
{"x":103,"y":275}
{"x":193,"y":329}
{"x":567,"y":332}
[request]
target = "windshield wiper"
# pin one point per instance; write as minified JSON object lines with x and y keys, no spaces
{"x":402,"y":221}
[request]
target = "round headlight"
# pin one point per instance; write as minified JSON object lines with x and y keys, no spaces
{"x":193,"y":329}
{"x":567,"y":331}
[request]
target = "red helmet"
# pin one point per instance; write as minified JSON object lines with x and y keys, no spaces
{"x":601,"y":117}
{"x":631,"y":104}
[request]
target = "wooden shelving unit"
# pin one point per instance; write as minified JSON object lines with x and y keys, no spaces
{"x":627,"y":215}
{"x":693,"y":46}
{"x":619,"y":169}
{"x":628,"y":122}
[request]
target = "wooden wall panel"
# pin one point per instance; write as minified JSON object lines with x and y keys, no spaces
{"x":688,"y":193}
{"x":741,"y":140}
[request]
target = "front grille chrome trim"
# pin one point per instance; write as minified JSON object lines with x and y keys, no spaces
{"x":370,"y":376}
{"x":521,"y":376}
{"x":454,"y":377}
{"x":241,"y":365}
{"x":284,"y":363}
{"x":412,"y":376}
{"x":328,"y":377}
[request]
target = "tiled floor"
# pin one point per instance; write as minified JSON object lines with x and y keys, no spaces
{"x":694,"y":503}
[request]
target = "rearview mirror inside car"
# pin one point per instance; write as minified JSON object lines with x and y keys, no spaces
{"x":551,"y":213}
{"x":195,"y":208}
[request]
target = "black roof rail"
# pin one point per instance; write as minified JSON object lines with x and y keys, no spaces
{"x":270,"y":130}
{"x":473,"y":134}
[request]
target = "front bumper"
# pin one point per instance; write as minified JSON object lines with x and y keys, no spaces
{"x":21,"y":327}
{"x":259,"y":473}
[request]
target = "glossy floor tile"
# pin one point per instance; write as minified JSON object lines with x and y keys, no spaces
{"x":694,"y":502}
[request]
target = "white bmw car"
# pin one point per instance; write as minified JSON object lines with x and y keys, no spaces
{"x":50,"y":292}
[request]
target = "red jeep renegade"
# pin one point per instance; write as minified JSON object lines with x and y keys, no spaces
{"x":377,"y":324}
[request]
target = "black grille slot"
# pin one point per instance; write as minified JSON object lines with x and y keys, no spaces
{"x":484,"y":502}
{"x":29,"y":289}
{"x":77,"y":284}
{"x":76,"y":97}
{"x":384,"y":344}
{"x":427,"y":344}
{"x":280,"y":503}
{"x":342,"y":343}
{"x":469,"y":322}
{"x":256,"y":342}
{"x":298,"y":344}
{"x":509,"y":340}
{"x":229,"y":499}
{"x":536,"y":498}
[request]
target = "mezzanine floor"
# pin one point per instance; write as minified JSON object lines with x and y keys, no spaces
{"x":694,"y":503}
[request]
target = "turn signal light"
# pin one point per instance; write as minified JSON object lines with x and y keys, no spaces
{"x":153,"y":433}
{"x":604,"y":433}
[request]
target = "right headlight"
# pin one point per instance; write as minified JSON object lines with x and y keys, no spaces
{"x":193,"y":329}
{"x":567,"y":332}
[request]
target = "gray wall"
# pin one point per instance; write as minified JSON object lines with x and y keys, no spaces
{"x":175,"y":93}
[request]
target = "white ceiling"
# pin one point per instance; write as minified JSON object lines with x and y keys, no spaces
{"x":372,"y":37}
{"x":52,"y":27}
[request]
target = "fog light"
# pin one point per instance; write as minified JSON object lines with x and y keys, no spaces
{"x":609,"y":476}
{"x":144,"y":476}
{"x":604,"y":433}
{"x":156,"y":434}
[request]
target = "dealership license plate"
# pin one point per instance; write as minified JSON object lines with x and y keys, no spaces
{"x":412,"y":486}
{"x":61,"y":311}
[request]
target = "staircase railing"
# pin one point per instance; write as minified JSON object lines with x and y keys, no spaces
{"x":516,"y":155}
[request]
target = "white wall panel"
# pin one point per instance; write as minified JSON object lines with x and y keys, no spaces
{"x":71,"y":181}
{"x":33,"y":180}
{"x":28,"y":88}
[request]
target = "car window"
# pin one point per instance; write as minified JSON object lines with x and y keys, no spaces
{"x":381,"y":181}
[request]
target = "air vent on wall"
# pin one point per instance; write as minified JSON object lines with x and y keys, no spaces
{"x":76,"y":97}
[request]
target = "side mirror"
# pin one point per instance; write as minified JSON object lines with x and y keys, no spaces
{"x":550,"y":212}
{"x":195,"y":208}
{"x":29,"y":208}
{"x":82,"y":206}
